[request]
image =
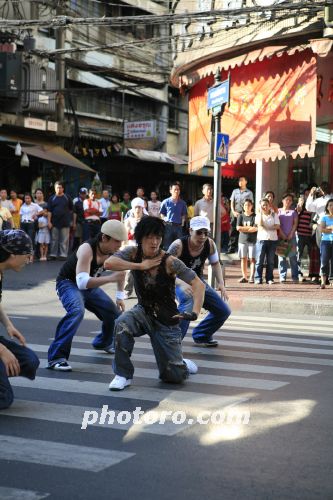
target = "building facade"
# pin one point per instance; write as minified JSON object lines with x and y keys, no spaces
{"x":278,"y":56}
{"x":99,"y":96}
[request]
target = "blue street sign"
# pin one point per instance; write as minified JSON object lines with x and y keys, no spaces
{"x":222,"y":147}
{"x":218,"y":95}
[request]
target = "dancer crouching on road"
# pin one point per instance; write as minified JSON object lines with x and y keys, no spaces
{"x":194,"y":250}
{"x":156,"y":314}
{"x":78,"y":289}
{"x":15,"y":359}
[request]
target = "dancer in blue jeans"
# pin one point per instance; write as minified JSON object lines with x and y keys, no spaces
{"x":78,"y":289}
{"x":194,"y":250}
{"x":15,"y":359}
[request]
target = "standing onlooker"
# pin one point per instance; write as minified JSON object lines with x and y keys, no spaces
{"x":247,"y":240}
{"x":317,"y":205}
{"x":288,"y":225}
{"x":154,"y":205}
{"x":45,"y":233}
{"x":6,"y":219}
{"x":268,"y":224}
{"x":4,"y":202}
{"x":78,"y":218}
{"x":59,"y":215}
{"x":17,"y":203}
{"x":225,"y":224}
{"x":125,"y":205}
{"x":205,"y":206}
{"x":238,"y":196}
{"x":43,"y":237}
{"x":130,"y":224}
{"x":304,"y":230}
{"x":140,"y":192}
{"x":92,"y":212}
{"x":270,"y":196}
{"x":326,"y":245}
{"x":174,"y":212}
{"x":29,"y":214}
{"x":115,"y":208}
{"x":105,"y":204}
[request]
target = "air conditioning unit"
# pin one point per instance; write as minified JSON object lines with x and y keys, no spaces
{"x":38,"y":86}
{"x":10,"y":75}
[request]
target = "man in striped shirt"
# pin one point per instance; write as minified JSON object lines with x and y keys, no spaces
{"x":304,"y":230}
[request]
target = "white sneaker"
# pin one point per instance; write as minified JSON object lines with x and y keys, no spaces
{"x":191,"y":366}
{"x":119,"y":383}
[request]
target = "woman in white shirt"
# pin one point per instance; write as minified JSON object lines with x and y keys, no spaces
{"x":268,"y":224}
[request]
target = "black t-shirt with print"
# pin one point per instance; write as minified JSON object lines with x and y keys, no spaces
{"x":246,"y":220}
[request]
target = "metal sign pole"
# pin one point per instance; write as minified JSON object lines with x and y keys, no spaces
{"x":217,"y":188}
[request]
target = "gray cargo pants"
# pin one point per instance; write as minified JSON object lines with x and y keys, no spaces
{"x":165,"y":340}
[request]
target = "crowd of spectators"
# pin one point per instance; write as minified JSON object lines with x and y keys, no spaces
{"x":275,"y":234}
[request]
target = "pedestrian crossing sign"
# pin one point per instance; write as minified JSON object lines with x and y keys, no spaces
{"x":222,"y":147}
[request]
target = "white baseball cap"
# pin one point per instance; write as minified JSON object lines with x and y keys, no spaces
{"x":199,"y":222}
{"x":115,"y":229}
{"x":137,"y":202}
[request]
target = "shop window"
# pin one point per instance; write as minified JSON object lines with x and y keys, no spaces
{"x":173,"y":109}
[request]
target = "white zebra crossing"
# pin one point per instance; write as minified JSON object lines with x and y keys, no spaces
{"x":59,"y":454}
{"x":241,"y":364}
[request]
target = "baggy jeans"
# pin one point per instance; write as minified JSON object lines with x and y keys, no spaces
{"x":219,"y":312}
{"x":165,"y":341}
{"x":75,"y":302}
{"x":28,"y":363}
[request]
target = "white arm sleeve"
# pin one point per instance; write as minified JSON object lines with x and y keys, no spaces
{"x":82,"y":280}
{"x":214,"y":258}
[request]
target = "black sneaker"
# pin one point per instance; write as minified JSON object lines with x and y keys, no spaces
{"x":61,"y":366}
{"x":208,"y":343}
{"x":109,"y":349}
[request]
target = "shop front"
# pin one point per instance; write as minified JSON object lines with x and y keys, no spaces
{"x":279,"y":118}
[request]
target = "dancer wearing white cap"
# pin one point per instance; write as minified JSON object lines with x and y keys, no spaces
{"x":78,"y":289}
{"x":194,"y":250}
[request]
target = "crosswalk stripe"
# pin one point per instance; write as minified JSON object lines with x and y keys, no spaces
{"x":218,"y":365}
{"x":270,"y":347}
{"x":183,"y":396}
{"x":273,"y":338}
{"x":315,"y":333}
{"x":278,"y":319}
{"x":193,"y":349}
{"x":317,"y":326}
{"x":59,"y":454}
{"x":71,"y":414}
{"x":17,"y":494}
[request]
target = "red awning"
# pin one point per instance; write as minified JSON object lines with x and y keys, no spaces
{"x":272,"y":111}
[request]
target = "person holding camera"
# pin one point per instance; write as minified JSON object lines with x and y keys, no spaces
{"x":316,"y":202}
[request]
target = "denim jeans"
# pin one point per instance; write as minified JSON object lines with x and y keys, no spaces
{"x":265,"y":248}
{"x":283,"y":264}
{"x":326,"y":258}
{"x":28,"y":363}
{"x":302,"y":242}
{"x":59,"y":241}
{"x":219,"y":312}
{"x":172,"y":233}
{"x":165,"y":341}
{"x":75,"y":302}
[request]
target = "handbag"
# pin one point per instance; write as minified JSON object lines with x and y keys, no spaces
{"x":285,"y":248}
{"x":5,"y":224}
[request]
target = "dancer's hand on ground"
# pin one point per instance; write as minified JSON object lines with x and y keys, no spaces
{"x":120,"y":304}
{"x":188,"y":316}
{"x":10,"y":361}
{"x":13,"y":332}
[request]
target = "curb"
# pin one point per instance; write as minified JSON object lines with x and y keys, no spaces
{"x":282,"y":307}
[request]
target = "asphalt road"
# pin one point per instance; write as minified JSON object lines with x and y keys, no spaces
{"x":268,"y":387}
